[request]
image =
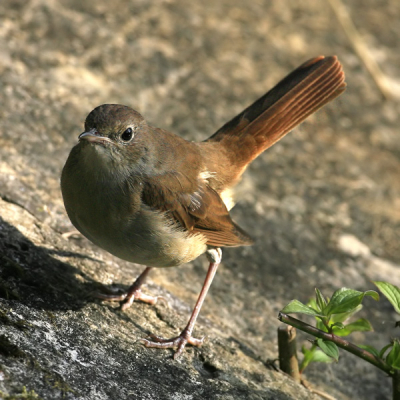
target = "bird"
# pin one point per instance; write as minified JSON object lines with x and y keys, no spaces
{"x":151,"y":197}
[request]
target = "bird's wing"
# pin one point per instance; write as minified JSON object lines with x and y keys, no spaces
{"x":195,"y":206}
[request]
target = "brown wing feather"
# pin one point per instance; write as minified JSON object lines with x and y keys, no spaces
{"x":196,"y":206}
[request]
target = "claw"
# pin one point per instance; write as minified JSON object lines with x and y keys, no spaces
{"x":178,"y":341}
{"x":126,"y":299}
{"x":134,"y":293}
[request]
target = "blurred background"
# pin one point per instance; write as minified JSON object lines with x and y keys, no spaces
{"x":323,"y":204}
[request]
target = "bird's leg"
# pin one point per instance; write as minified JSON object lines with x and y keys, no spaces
{"x":214,"y":256}
{"x":133,"y":293}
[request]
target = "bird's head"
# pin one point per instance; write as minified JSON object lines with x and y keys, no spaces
{"x":116,"y":136}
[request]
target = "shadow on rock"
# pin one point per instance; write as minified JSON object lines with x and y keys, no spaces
{"x":31,"y":275}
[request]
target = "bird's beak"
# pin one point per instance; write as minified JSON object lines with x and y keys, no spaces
{"x":93,"y":136}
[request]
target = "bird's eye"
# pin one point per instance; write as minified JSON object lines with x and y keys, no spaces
{"x":127,"y":135}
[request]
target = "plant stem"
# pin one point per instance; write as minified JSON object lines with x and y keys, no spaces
{"x":340,"y":342}
{"x":396,"y":385}
{"x":287,"y":351}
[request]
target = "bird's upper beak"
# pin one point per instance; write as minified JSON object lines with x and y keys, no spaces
{"x":93,"y":136}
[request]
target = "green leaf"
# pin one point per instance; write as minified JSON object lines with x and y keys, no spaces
{"x":313,"y":355}
{"x":391,"y":292}
{"x":346,"y":300}
{"x":373,"y":294}
{"x":384,"y":349}
{"x":338,"y":326}
{"x":321,"y":300}
{"x":344,"y":316}
{"x":295,"y":306}
{"x":320,"y":325}
{"x":361,"y":325}
{"x":371,"y":349}
{"x":307,"y":357}
{"x":320,"y":356}
{"x":329,"y":348}
{"x":393,"y":358}
{"x":312,"y":303}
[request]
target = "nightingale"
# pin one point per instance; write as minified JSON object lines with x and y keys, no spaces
{"x":151,"y":197}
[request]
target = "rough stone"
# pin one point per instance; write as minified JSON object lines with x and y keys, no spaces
{"x":189,"y":68}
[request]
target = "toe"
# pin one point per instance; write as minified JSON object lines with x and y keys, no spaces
{"x":180,"y":342}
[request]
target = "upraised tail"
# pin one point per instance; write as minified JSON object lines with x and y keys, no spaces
{"x":290,"y":102}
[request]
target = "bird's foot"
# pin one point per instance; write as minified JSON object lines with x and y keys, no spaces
{"x":133,"y":293}
{"x":179,"y":341}
{"x":126,"y":299}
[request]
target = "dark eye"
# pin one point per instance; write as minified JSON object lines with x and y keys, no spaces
{"x":127,"y":135}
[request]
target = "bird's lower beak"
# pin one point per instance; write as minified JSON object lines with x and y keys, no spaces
{"x":93,"y":136}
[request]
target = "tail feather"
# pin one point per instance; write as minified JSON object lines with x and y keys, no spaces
{"x":290,"y":102}
{"x":288,"y":113}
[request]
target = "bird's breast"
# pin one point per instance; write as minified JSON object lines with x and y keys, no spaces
{"x":108,"y":210}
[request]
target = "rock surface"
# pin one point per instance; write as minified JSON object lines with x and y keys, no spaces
{"x":323,"y":204}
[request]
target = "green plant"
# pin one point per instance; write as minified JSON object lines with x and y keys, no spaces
{"x":332,"y":315}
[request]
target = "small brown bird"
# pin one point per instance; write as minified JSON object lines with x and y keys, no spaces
{"x":150,"y":197}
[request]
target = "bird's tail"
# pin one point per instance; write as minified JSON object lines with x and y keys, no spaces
{"x":290,"y":102}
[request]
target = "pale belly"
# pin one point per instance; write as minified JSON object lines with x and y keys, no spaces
{"x":148,"y":238}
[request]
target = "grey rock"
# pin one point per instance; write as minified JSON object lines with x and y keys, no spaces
{"x":189,"y":68}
